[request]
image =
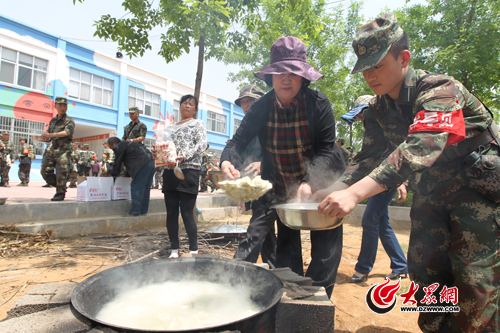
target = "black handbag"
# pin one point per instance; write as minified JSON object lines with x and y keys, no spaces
{"x":25,"y":160}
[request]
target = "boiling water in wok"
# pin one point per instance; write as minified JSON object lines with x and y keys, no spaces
{"x":265,"y":289}
{"x":178,"y":306}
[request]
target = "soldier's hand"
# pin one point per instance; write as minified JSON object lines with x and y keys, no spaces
{"x":46,"y":135}
{"x":402,"y":192}
{"x":338,"y":204}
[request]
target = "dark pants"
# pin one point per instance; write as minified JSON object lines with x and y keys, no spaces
{"x":140,"y":188}
{"x":186,"y":202}
{"x":260,"y":237}
{"x":326,"y":251}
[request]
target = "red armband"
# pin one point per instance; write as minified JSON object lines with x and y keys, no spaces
{"x":433,"y":121}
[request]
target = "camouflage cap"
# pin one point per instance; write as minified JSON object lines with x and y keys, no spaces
{"x":85,"y":145}
{"x":342,"y":141}
{"x":5,"y":132}
{"x":373,"y":40}
{"x":61,"y":100}
{"x":76,"y":144}
{"x":250,"y":90}
{"x":133,"y":110}
{"x":23,"y":138}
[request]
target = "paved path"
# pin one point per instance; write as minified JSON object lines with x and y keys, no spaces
{"x":36,"y":193}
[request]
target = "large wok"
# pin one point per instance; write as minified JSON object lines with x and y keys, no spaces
{"x":266,"y":289}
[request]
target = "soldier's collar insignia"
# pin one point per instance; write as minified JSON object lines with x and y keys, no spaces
{"x":361,"y":50}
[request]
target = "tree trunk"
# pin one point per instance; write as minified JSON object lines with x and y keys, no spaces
{"x":199,"y":73}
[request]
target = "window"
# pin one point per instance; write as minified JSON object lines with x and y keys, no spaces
{"x":237,"y":123}
{"x":19,"y":128}
{"x":90,"y":88}
{"x":216,"y":122}
{"x":23,"y":69}
{"x":149,"y":143}
{"x":147,"y":102}
{"x":177,"y":112}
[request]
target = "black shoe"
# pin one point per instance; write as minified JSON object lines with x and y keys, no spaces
{"x":130,"y":215}
{"x":58,"y":197}
{"x":395,"y":276}
{"x":359,"y":279}
{"x":46,"y":185}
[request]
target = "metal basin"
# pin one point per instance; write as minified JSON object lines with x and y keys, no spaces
{"x":90,"y":296}
{"x":217,"y":177}
{"x":2,"y":200}
{"x":305,"y":216}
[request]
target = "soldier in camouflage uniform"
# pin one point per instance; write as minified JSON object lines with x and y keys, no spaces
{"x":136,"y":130}
{"x":207,"y":159}
{"x":26,"y":155}
{"x":345,"y":152}
{"x":7,"y":157}
{"x":75,"y":157}
{"x":85,"y":161}
{"x":60,"y":132}
{"x":108,"y":158}
{"x":436,"y":125}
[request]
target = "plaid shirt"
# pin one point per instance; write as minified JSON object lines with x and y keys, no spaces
{"x":288,"y":145}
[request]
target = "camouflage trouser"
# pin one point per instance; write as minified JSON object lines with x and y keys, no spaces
{"x":4,"y":171}
{"x":73,"y":176}
{"x":455,"y":241}
{"x":203,"y":183}
{"x":59,"y":160}
{"x":24,"y":173}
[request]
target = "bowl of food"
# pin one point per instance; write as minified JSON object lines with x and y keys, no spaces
{"x":305,"y":216}
{"x":2,"y":200}
{"x":245,"y":189}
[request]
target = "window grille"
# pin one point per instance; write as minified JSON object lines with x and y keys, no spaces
{"x":19,"y":128}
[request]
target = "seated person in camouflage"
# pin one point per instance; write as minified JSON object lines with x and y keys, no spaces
{"x":108,"y":158}
{"x":6,"y":158}
{"x":75,"y":157}
{"x":26,"y":155}
{"x":136,"y":130}
{"x":60,"y":133}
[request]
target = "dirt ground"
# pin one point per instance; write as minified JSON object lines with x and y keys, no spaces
{"x":26,"y":261}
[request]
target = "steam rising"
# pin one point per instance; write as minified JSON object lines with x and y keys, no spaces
{"x":179,"y":305}
{"x":261,"y":287}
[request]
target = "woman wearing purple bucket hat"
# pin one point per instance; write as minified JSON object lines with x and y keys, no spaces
{"x":296,"y":130}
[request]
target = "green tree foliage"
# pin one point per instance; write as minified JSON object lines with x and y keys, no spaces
{"x":203,"y":23}
{"x":328,"y":35}
{"x":459,"y":38}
